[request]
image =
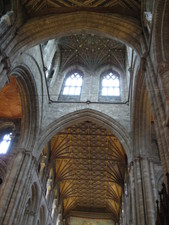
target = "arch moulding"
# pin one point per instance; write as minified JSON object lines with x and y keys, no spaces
{"x":80,"y":116}
{"x":29,"y":104}
{"x":127,"y":30}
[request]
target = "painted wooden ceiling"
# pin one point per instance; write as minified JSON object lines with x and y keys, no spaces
{"x":90,"y":166}
{"x":10,"y":102}
{"x":35,"y":8}
{"x":91,"y":51}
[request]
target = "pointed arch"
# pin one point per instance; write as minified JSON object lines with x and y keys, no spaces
{"x":161,"y":30}
{"x":29,"y":102}
{"x":82,"y":115}
{"x":35,"y":31}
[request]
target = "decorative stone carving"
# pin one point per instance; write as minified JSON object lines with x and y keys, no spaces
{"x":148,"y":20}
{"x":54,"y":207}
{"x":48,"y":187}
{"x":6,"y":21}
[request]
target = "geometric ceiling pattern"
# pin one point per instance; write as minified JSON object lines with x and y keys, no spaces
{"x":84,"y":49}
{"x":91,"y":51}
{"x":90,"y":165}
{"x":35,"y":8}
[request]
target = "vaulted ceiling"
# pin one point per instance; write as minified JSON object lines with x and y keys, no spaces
{"x":91,"y":51}
{"x":35,"y":8}
{"x":90,"y":166}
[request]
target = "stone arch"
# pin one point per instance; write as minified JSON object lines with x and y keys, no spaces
{"x":82,"y":115}
{"x":161,"y":31}
{"x":141,"y":115}
{"x":126,"y":29}
{"x":42,"y":216}
{"x":110,"y":67}
{"x":35,"y":197}
{"x":31,"y":206}
{"x":5,"y":128}
{"x":144,"y":133}
{"x":29,"y":102}
{"x":71,"y":69}
{"x":161,"y":52}
{"x":159,"y":178}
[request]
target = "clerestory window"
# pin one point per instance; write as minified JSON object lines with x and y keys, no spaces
{"x":72,"y":86}
{"x":110,"y":86}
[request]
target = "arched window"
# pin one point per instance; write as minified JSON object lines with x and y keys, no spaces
{"x":72,"y":86}
{"x":5,"y":143}
{"x":110,"y":86}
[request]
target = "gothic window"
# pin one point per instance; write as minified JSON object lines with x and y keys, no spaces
{"x":72,"y":86}
{"x":5,"y":143}
{"x":110,"y":86}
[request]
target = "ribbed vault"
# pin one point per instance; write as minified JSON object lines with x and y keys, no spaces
{"x":90,"y":166}
{"x":91,"y":51}
{"x":37,"y":8}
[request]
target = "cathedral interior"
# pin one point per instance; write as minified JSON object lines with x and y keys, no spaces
{"x":84,"y":112}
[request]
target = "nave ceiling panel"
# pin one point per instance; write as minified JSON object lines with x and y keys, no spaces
{"x":35,"y":8}
{"x":90,"y":166}
{"x":91,"y":52}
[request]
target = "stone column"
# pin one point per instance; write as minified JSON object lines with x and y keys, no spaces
{"x":54,"y":208}
{"x":148,"y":195}
{"x":132,"y":193}
{"x":42,"y":166}
{"x":31,"y":217}
{"x":141,"y":219}
{"x":11,"y":198}
{"x":25,"y":219}
{"x":155,"y":197}
{"x":59,"y":219}
{"x":158,"y":109}
{"x":49,"y":188}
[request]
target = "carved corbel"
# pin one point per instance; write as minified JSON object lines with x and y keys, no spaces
{"x":143,"y":64}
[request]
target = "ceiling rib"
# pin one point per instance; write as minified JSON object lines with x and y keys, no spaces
{"x":90,"y":166}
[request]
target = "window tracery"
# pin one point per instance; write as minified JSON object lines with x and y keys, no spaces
{"x":110,"y":86}
{"x":72,"y":86}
